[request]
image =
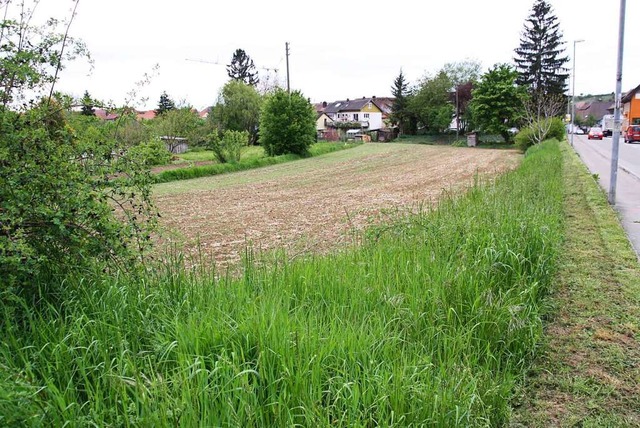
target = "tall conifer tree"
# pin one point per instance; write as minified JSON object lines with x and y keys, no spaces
{"x":540,"y":60}
{"x":165,"y":104}
{"x":87,"y":105}
{"x":242,"y":68}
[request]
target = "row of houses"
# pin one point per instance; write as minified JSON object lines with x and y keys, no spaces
{"x":140,"y":114}
{"x":372,"y":113}
{"x":599,"y":109}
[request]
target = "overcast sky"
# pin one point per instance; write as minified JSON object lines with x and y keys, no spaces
{"x":339,"y":49}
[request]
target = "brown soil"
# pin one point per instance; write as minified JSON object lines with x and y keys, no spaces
{"x":313,"y":204}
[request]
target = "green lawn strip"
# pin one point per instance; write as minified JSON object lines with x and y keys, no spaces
{"x":253,"y":161}
{"x":248,"y":152}
{"x":588,"y":370}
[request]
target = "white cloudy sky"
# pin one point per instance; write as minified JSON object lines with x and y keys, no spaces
{"x":339,"y":49}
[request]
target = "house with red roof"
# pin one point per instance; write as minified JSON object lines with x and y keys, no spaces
{"x":105,"y":115}
{"x":145,"y":115}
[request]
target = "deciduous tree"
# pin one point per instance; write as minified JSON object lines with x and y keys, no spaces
{"x":497,"y":101}
{"x":174,"y":126}
{"x":287,"y":124}
{"x":237,"y":109}
{"x":462,"y":75}
{"x":431,"y":103}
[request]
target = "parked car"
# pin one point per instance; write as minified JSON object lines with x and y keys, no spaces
{"x":632,"y":133}
{"x":595,"y":134}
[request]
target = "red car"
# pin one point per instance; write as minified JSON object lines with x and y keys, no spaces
{"x":595,"y":134}
{"x":632,"y":134}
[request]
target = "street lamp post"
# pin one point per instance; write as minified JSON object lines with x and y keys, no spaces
{"x":616,"y":113}
{"x":573,"y":91}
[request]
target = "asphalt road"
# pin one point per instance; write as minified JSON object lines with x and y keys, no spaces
{"x":596,"y":155}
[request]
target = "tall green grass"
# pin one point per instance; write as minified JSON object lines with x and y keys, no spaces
{"x":430,"y":321}
{"x":255,"y":158}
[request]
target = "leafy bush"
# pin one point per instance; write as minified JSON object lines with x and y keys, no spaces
{"x":288,"y":124}
{"x":229,"y":148}
{"x":65,"y":202}
{"x":524,"y":139}
{"x":551,"y":128}
{"x":556,"y":130}
{"x":152,"y":153}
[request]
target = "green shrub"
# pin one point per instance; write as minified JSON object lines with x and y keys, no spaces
{"x":288,"y":124}
{"x":557,"y":130}
{"x":152,"y":153}
{"x":524,"y":139}
{"x":59,"y":195}
{"x":546,"y":129}
{"x":229,"y":148}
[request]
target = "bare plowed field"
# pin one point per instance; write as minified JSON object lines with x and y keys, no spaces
{"x":314,"y":204}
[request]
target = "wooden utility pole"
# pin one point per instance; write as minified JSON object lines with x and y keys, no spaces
{"x":286,"y":45}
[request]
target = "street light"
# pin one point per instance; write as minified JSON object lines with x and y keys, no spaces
{"x":616,"y":113}
{"x":573,"y":91}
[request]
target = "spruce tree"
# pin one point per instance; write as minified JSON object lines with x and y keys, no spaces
{"x":165,"y":104}
{"x":540,"y":60}
{"x":399,"y":109}
{"x":87,"y":105}
{"x":242,"y":68}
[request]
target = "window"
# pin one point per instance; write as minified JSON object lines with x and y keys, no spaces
{"x":366,"y":115}
{"x":355,"y":116}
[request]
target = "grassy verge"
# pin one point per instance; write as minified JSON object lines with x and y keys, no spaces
{"x":429,"y":321}
{"x":255,"y":159}
{"x":485,"y":141}
{"x":588,"y":372}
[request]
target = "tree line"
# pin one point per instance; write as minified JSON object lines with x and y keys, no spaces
{"x":76,"y":193}
{"x":524,"y":94}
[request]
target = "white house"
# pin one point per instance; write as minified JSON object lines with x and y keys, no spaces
{"x":364,"y":111}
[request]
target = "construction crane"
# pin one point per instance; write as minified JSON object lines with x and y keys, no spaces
{"x":217,"y":62}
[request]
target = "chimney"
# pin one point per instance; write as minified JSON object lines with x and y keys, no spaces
{"x":324,"y":104}
{"x":374,"y":97}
